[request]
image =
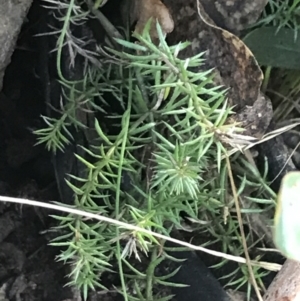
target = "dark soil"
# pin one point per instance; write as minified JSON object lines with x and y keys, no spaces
{"x":25,"y":171}
{"x":28,"y":270}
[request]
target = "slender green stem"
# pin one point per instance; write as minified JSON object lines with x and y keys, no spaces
{"x":61,"y":39}
{"x":266,"y":79}
{"x":120,"y":168}
{"x":150,"y":275}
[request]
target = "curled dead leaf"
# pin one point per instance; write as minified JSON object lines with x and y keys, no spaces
{"x":234,"y":65}
{"x":141,"y":11}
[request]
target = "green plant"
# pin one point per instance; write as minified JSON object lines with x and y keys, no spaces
{"x":162,"y":155}
{"x":281,"y":14}
{"x":275,"y":44}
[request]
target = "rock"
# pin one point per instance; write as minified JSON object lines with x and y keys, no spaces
{"x":12,"y":15}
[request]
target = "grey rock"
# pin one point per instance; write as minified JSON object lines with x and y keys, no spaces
{"x":12,"y":15}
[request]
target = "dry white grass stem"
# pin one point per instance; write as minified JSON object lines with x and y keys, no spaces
{"x":265,"y":265}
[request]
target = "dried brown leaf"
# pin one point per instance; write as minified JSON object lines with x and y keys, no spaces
{"x":234,"y":65}
{"x":140,"y":11}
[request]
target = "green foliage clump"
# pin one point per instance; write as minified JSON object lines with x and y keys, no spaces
{"x":281,"y":14}
{"x":161,"y":137}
